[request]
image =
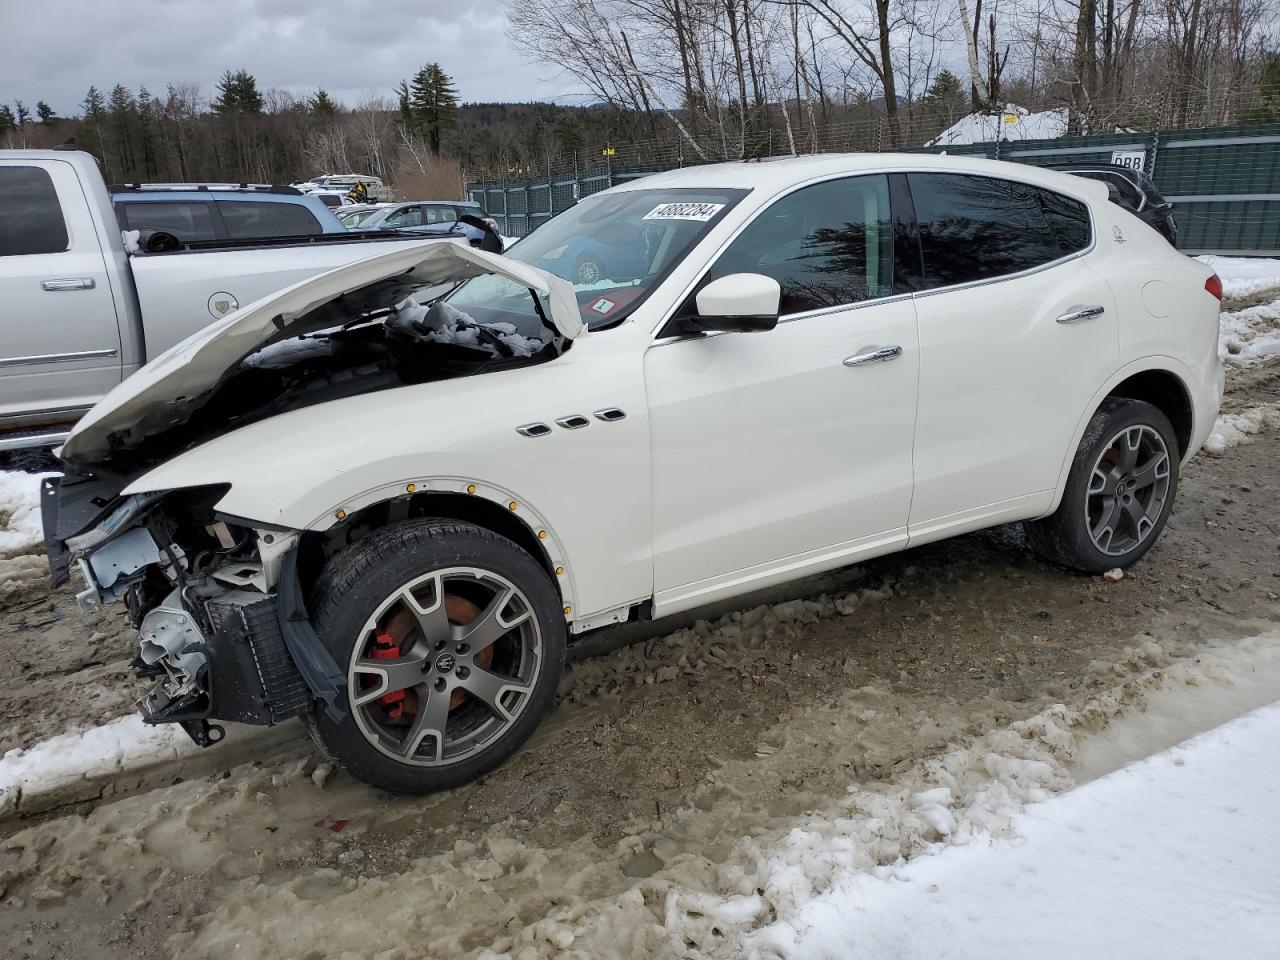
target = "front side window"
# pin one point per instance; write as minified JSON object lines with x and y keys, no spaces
{"x":247,"y":220}
{"x":827,"y":245}
{"x":186,"y":220}
{"x":31,"y":221}
{"x":408,"y":217}
{"x":976,"y":228}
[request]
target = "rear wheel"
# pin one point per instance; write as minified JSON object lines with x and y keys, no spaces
{"x":453,"y":644}
{"x":1119,"y":492}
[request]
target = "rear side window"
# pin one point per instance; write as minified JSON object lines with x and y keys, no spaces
{"x":185,"y":220}
{"x":408,"y":217}
{"x":827,"y":245}
{"x":976,"y":228}
{"x":30,"y":217}
{"x":439,"y":214}
{"x":247,"y":220}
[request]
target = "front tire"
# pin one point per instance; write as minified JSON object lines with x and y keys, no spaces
{"x":1119,"y":492}
{"x":453,"y":642}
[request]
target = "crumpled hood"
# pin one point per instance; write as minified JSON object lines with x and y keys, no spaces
{"x":189,"y":368}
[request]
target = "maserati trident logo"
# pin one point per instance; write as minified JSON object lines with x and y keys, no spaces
{"x":445,"y":662}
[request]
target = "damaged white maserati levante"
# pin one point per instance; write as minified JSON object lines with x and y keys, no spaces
{"x":382,"y":499}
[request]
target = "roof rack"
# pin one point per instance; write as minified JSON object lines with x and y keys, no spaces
{"x":206,"y":187}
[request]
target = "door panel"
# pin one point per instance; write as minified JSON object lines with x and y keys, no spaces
{"x":61,"y":343}
{"x":766,"y":446}
{"x":778,"y":453}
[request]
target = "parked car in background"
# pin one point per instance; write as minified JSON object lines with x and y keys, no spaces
{"x":382,"y":500}
{"x":374,"y":188}
{"x":192,"y":212}
{"x":80,"y":315}
{"x":1132,"y":189}
{"x":333,"y":199}
{"x":437,"y":218}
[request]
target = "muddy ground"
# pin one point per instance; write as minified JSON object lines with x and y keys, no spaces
{"x":668,"y":761}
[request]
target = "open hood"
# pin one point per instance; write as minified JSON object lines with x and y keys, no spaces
{"x":193,"y":366}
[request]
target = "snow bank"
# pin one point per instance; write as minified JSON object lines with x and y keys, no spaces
{"x":58,"y":766}
{"x":21,"y":530}
{"x":1232,"y":429}
{"x":131,"y":240}
{"x":1172,"y":856}
{"x":1245,"y":276}
{"x":1012,"y":123}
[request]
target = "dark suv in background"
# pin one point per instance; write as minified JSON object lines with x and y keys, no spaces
{"x":1131,"y":189}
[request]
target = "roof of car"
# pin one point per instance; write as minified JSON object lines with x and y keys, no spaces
{"x":773,"y":174}
{"x":203,"y":196}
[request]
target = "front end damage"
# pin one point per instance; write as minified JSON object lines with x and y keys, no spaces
{"x":222,"y":626}
{"x":219,"y":600}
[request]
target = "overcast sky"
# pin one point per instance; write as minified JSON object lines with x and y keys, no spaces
{"x":52,"y":50}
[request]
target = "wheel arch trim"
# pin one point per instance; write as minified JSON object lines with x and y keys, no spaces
{"x":420,"y":489}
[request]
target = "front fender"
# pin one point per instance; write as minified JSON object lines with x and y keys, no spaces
{"x":587,"y":489}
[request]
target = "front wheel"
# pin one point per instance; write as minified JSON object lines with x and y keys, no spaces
{"x":453,"y":642}
{"x":1119,"y":492}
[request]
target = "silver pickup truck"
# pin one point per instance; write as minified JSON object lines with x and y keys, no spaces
{"x":78,"y":314}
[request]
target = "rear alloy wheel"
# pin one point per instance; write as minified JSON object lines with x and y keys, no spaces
{"x":453,"y":643}
{"x":1119,"y":492}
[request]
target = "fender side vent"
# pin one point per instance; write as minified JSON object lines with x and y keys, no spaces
{"x":575,"y":421}
{"x":533,"y":430}
{"x":610,"y":414}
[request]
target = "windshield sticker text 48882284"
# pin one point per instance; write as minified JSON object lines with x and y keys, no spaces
{"x":684,"y":211}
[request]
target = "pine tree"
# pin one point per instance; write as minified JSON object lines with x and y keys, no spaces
{"x":238,"y":93}
{"x":93,"y":111}
{"x":45,"y":112}
{"x":433,"y":104}
{"x":322,"y":104}
{"x":569,"y":133}
{"x":945,"y":91}
{"x":23,"y":114}
{"x":7,"y":120}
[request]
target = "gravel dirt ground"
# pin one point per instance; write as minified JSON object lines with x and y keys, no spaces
{"x":639,"y":820}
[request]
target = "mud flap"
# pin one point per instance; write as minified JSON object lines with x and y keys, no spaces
{"x":313,"y":659}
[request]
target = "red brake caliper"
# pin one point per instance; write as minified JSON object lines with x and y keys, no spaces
{"x":385,"y":647}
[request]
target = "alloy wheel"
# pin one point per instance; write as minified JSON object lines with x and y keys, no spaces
{"x":1128,"y":490}
{"x":444,"y":666}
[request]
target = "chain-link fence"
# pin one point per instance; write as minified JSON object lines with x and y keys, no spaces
{"x":1224,"y":181}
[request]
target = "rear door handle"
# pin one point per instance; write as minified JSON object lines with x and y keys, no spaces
{"x":873,"y":356}
{"x":1084,"y":313}
{"x":78,"y":283}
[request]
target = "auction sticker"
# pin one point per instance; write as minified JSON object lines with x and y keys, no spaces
{"x":603,"y":306}
{"x":684,"y":211}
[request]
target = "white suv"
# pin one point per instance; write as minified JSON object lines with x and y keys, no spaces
{"x":383,"y":499}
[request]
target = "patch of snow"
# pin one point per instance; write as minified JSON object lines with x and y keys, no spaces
{"x":21,"y":529}
{"x":1232,"y":429}
{"x":61,"y":763}
{"x":442,"y":322}
{"x":131,"y":238}
{"x":1245,"y":276}
{"x":1168,"y":857}
{"x":1011,"y":123}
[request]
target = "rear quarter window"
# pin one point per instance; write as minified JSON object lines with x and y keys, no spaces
{"x":31,"y":218}
{"x":186,"y":220}
{"x":979,"y":228}
{"x":246,"y":220}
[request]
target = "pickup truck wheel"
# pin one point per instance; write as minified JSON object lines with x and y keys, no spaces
{"x":1119,"y":492}
{"x":453,"y":642}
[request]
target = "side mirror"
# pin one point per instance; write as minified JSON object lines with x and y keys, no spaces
{"x":737,"y":303}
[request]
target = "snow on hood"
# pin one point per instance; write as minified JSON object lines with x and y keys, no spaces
{"x":189,"y":368}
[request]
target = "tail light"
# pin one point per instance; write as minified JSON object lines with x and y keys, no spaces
{"x":1214,"y":287}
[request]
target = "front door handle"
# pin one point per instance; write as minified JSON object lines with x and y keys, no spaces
{"x":873,"y":356}
{"x":77,"y":283}
{"x":1084,"y":313}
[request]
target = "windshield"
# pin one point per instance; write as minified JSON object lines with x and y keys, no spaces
{"x":614,"y":249}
